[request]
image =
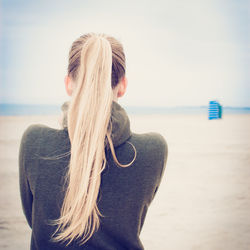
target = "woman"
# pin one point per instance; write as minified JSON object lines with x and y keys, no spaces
{"x":89,"y":185}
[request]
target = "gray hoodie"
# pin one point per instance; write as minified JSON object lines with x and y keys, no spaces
{"x":125,"y":193}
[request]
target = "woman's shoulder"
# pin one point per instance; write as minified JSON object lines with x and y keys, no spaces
{"x":34,"y":134}
{"x":40,"y":140}
{"x":34,"y":131}
{"x":151,"y":146}
{"x":151,"y":140}
{"x":31,"y":133}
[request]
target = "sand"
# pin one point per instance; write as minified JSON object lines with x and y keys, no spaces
{"x":204,"y":198}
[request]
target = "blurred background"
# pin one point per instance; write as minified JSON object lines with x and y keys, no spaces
{"x":180,"y":55}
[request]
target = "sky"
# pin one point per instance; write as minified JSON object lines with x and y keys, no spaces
{"x":179,"y":53}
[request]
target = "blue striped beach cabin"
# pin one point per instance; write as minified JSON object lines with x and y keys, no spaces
{"x":214,"y":110}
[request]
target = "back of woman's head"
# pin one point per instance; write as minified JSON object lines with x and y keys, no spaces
{"x":96,"y":65}
{"x":118,"y":57}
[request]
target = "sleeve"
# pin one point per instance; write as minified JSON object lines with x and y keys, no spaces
{"x":164,"y":147}
{"x":162,"y":156}
{"x":25,"y":191}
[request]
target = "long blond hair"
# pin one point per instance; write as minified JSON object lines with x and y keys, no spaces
{"x":96,"y":65}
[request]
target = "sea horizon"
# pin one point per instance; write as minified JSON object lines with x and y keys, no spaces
{"x":11,"y":109}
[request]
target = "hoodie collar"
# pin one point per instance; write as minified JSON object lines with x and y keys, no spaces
{"x":119,"y":120}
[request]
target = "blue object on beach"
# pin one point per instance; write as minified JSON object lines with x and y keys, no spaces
{"x":214,"y":110}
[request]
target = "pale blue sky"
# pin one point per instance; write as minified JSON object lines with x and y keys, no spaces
{"x":178,"y":52}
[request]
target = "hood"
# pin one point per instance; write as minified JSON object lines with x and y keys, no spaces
{"x":119,"y":120}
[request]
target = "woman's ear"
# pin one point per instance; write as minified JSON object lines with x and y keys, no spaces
{"x":122,"y":87}
{"x":68,"y":85}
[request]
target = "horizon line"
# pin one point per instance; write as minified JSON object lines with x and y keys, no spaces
{"x":130,"y":106}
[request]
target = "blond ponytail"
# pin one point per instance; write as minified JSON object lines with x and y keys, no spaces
{"x":88,"y":124}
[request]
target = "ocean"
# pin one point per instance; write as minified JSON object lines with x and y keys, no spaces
{"x":26,"y":109}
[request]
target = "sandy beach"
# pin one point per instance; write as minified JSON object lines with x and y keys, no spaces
{"x":204,"y":198}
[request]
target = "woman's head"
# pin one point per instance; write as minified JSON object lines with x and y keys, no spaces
{"x":96,"y":72}
{"x":118,"y":62}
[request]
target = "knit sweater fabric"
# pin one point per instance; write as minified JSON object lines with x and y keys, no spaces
{"x":125,"y":193}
